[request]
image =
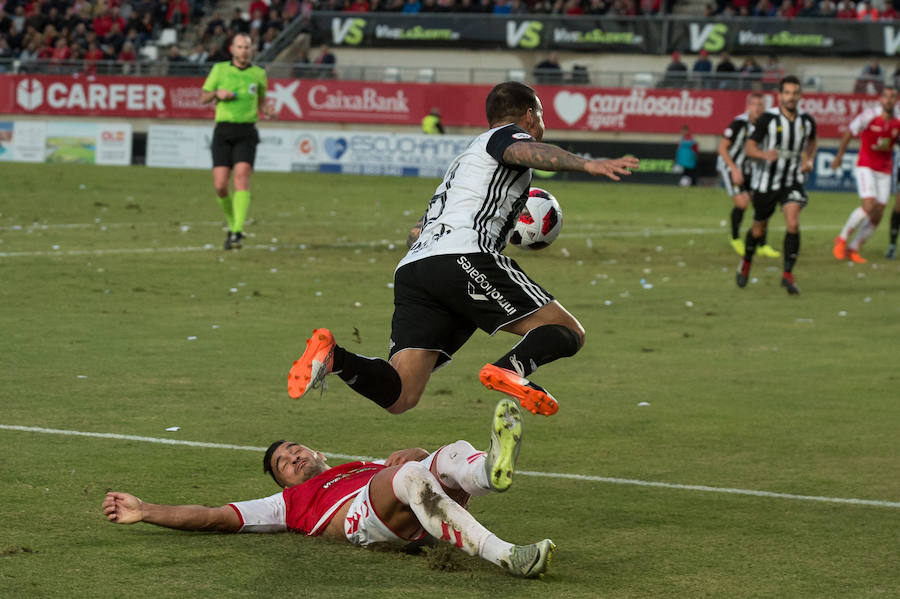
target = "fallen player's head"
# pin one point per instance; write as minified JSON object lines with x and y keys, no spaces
{"x":290,"y":463}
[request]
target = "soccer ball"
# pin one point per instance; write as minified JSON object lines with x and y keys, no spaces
{"x":539,"y":222}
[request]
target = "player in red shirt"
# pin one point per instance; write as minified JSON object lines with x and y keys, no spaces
{"x":365,"y":503}
{"x":878,"y":130}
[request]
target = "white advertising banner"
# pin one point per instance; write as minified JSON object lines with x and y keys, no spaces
{"x":284,"y":150}
{"x":24,"y":141}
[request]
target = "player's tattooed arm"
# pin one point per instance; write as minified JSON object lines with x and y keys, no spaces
{"x":551,"y":158}
{"x":415,"y":232}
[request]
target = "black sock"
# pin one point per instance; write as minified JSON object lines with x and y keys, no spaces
{"x":540,"y":345}
{"x":791,"y":249}
{"x":895,"y":226}
{"x":737,"y":215}
{"x":373,"y":378}
{"x":750,"y":245}
{"x":764,"y":240}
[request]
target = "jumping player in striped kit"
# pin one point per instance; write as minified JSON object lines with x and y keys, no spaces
{"x":454,"y":279}
{"x":783,"y":143}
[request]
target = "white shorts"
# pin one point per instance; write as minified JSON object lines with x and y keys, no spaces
{"x":873,"y":184}
{"x":363,"y":527}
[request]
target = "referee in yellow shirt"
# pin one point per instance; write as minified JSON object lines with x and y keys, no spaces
{"x":239,"y":89}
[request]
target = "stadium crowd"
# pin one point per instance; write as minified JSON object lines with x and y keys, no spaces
{"x":864,"y":10}
{"x":61,"y":36}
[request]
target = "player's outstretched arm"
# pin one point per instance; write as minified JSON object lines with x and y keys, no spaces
{"x":548,"y":157}
{"x":124,"y":508}
{"x":839,"y":157}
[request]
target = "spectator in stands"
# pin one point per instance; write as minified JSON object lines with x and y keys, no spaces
{"x":866,"y":12}
{"x":412,"y":7}
{"x":290,"y":10}
{"x":93,"y":55}
{"x":809,"y":10}
{"x":175,"y":61}
{"x":676,"y":72}
{"x":275,"y":21}
{"x":870,"y":80}
{"x":146,"y":28}
{"x":325,"y":62}
{"x":259,"y":6}
{"x":216,"y":53}
{"x":358,"y":6}
{"x":217,"y":36}
{"x":845,"y":10}
{"x":702,"y":68}
{"x":179,"y":10}
{"x":60,"y":54}
{"x":773,"y":73}
{"x":128,"y":57}
{"x":726,"y":72}
{"x":787,"y":10}
{"x":889,"y":13}
{"x":268,"y":38}
{"x":764,"y":8}
{"x":28,"y":58}
{"x":215,"y":20}
{"x":238,"y":23}
{"x":135,"y":39}
{"x":827,"y":8}
{"x":257,"y":20}
{"x":751,"y":73}
{"x":548,"y":71}
{"x":595,"y":7}
{"x":115,"y":38}
{"x":18,"y":20}
{"x":5,"y":50}
{"x":198,"y":55}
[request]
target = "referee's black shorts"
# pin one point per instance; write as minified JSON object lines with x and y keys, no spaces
{"x":233,"y":143}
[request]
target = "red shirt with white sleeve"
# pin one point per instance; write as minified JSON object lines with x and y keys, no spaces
{"x":308,"y":507}
{"x":877,"y":137}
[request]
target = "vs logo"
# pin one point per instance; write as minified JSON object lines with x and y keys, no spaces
{"x":526,"y":34}
{"x":347,"y":31}
{"x":709,"y":37}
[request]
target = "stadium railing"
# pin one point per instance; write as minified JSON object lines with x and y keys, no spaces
{"x":392,"y":74}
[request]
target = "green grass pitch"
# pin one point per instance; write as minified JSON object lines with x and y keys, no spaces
{"x":120,"y":314}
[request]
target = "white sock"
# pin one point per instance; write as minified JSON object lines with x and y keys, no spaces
{"x":863,"y":234}
{"x":461,"y":466}
{"x":856,"y":218}
{"x":442,"y":517}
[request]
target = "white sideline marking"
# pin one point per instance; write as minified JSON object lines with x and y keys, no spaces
{"x":602,"y":479}
{"x":591,"y":233}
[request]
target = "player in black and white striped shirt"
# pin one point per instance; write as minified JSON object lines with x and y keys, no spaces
{"x":734,"y":168}
{"x":783,"y":144}
{"x":455,"y":279}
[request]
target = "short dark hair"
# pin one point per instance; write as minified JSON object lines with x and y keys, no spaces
{"x":789,"y":79}
{"x":509,"y":100}
{"x":267,"y":460}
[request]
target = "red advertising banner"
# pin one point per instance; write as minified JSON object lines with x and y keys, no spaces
{"x":635,"y":110}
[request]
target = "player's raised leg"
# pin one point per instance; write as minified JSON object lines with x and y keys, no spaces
{"x":373,"y":378}
{"x":412,"y":486}
{"x":548,"y":334}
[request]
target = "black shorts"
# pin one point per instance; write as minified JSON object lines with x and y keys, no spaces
{"x":764,"y":203}
{"x":441,"y":300}
{"x":729,"y":185}
{"x":233,"y":143}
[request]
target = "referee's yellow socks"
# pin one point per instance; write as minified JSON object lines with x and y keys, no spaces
{"x":241,"y":205}
{"x":228,"y":209}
